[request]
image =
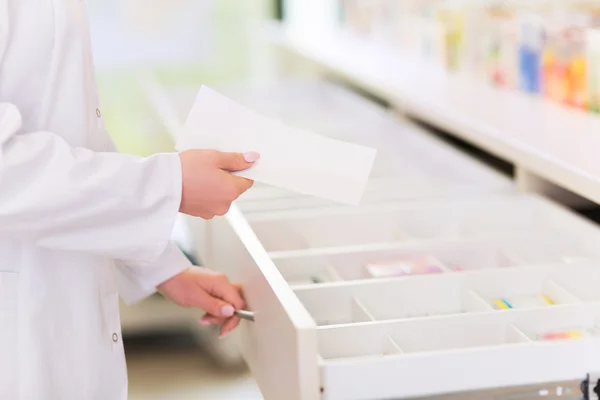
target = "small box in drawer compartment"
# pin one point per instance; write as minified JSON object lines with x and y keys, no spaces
{"x":521,"y":288}
{"x":351,"y":263}
{"x":568,"y":323}
{"x":450,"y":257}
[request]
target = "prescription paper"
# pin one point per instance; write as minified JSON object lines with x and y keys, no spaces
{"x":291,"y":158}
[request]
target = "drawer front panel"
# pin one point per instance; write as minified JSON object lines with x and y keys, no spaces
{"x":280,"y":345}
{"x":458,"y":354}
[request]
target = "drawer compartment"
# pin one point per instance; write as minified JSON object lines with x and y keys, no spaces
{"x":507,"y":217}
{"x":394,"y":299}
{"x":417,"y":337}
{"x":449,"y":294}
{"x":316,"y":266}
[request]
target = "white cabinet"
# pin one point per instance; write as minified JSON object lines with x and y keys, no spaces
{"x":327,"y":328}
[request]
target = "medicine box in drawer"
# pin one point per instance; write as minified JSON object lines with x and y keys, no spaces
{"x":509,"y":297}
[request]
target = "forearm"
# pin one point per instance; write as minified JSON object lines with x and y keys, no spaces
{"x":55,"y":196}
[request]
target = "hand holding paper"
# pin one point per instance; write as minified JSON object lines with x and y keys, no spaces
{"x":208,"y":187}
{"x":291,"y":158}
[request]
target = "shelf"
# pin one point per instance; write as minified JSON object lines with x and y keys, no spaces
{"x":548,"y":140}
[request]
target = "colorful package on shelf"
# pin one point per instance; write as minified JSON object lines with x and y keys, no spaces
{"x":576,"y":92}
{"x":593,"y":70}
{"x":549,"y":47}
{"x":531,"y":46}
{"x":564,"y":61}
{"x":554,"y":62}
{"x":403,"y":266}
{"x":502,"y":42}
{"x":452,"y":24}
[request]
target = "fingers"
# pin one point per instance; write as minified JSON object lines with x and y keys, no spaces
{"x":220,"y":298}
{"x":236,"y":161}
{"x":208,"y":319}
{"x":242,"y":184}
{"x":229,"y":325}
{"x":229,"y":292}
{"x":213,"y":305}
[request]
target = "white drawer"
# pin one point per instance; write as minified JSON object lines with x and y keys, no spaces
{"x":351,"y":336}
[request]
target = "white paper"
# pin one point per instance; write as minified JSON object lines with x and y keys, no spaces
{"x":291,"y":158}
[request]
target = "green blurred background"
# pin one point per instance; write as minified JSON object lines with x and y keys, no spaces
{"x":208,"y":42}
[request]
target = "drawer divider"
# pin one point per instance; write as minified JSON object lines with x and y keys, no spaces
{"x":359,"y":312}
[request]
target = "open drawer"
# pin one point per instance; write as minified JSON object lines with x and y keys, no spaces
{"x":511,"y":315}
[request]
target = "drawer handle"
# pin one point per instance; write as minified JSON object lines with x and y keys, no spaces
{"x":247,"y":315}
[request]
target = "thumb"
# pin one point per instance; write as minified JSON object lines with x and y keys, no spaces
{"x":213,"y":305}
{"x":237,"y":161}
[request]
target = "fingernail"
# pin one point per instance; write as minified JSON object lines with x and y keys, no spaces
{"x":251,"y":156}
{"x":203,"y":322}
{"x":224,"y":335}
{"x":227,"y":311}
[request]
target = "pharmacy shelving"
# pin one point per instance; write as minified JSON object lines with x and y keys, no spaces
{"x":547,"y":142}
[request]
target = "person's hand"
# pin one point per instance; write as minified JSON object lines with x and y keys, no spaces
{"x":208,"y":290}
{"x":208,"y":187}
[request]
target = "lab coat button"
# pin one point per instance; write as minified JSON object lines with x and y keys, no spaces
{"x":115,"y":337}
{"x":98,"y":113}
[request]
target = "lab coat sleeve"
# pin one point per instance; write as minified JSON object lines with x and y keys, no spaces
{"x":138,"y":280}
{"x":60,"y":197}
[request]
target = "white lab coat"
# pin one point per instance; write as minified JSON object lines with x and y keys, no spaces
{"x":77,"y":220}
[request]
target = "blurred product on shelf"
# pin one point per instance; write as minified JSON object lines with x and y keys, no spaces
{"x":531,"y":47}
{"x":549,"y":48}
{"x":593,"y":70}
